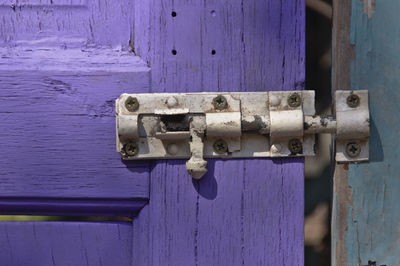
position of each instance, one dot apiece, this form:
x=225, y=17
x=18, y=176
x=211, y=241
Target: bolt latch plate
x=352, y=130
x=195, y=126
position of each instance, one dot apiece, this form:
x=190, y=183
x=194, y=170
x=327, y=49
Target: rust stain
x=369, y=7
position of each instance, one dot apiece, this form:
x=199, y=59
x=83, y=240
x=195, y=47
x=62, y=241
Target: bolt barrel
x=312, y=124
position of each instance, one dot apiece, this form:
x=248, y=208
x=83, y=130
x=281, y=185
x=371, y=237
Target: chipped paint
x=372, y=233
x=369, y=7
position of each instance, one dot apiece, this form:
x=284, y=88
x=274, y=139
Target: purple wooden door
x=62, y=65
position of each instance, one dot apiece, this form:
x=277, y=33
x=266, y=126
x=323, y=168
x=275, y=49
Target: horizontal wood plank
x=58, y=123
x=69, y=23
x=65, y=243
x=80, y=207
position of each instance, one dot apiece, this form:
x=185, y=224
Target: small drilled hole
x=213, y=13
x=213, y=52
x=173, y=14
x=174, y=52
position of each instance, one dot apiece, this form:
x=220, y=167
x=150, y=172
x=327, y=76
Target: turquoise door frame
x=366, y=55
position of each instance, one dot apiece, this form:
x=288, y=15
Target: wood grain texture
x=342, y=50
x=66, y=23
x=72, y=206
x=368, y=204
x=243, y=212
x=58, y=123
x=65, y=243
x=342, y=56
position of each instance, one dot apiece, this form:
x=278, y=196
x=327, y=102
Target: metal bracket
x=195, y=126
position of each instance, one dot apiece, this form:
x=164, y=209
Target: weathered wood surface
x=65, y=243
x=94, y=22
x=243, y=212
x=71, y=206
x=58, y=123
x=59, y=78
x=365, y=226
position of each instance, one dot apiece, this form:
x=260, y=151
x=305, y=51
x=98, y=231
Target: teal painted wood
x=369, y=203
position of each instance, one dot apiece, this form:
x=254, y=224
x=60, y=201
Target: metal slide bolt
x=295, y=146
x=294, y=100
x=132, y=104
x=220, y=102
x=131, y=149
x=353, y=149
x=220, y=147
x=353, y=100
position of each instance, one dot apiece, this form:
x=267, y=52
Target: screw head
x=172, y=102
x=220, y=147
x=131, y=104
x=353, y=100
x=294, y=100
x=172, y=148
x=276, y=147
x=295, y=146
x=274, y=100
x=131, y=149
x=220, y=102
x=353, y=149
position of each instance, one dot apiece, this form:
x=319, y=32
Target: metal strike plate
x=195, y=126
x=352, y=132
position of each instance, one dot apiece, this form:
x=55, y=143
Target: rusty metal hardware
x=195, y=126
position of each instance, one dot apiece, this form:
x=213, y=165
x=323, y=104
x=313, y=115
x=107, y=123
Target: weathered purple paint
x=82, y=207
x=65, y=243
x=244, y=212
x=63, y=63
x=60, y=22
x=58, y=142
x=58, y=124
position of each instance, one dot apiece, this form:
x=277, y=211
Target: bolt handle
x=196, y=165
x=196, y=168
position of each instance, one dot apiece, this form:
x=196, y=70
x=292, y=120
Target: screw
x=275, y=148
x=353, y=100
x=220, y=147
x=172, y=102
x=295, y=146
x=172, y=148
x=353, y=149
x=274, y=100
x=220, y=102
x=294, y=100
x=132, y=104
x=131, y=149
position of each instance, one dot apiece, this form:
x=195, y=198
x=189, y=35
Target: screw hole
x=173, y=14
x=213, y=52
x=174, y=52
x=213, y=13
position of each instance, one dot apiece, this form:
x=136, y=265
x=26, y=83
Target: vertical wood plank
x=243, y=212
x=342, y=56
x=365, y=219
